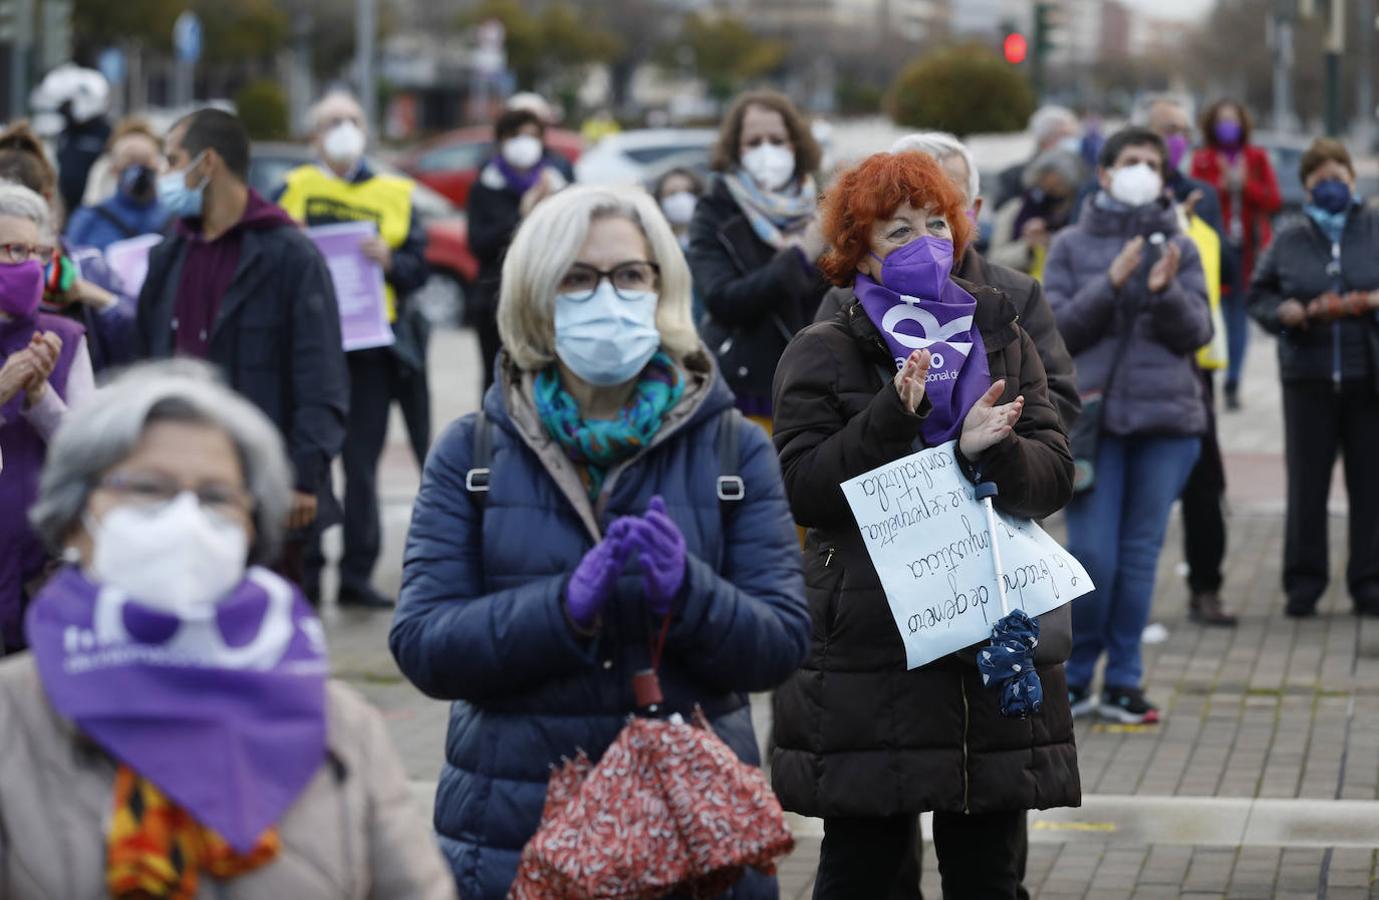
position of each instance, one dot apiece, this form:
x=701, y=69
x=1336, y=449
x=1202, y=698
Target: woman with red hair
x=914, y=359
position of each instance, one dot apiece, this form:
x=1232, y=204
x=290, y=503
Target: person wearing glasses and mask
x=173, y=728
x=44, y=370
x=343, y=187
x=239, y=285
x=520, y=175
x=755, y=242
x=136, y=158
x=584, y=527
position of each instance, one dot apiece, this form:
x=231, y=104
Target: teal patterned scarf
x=597, y=445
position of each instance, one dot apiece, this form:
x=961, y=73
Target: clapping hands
x=661, y=550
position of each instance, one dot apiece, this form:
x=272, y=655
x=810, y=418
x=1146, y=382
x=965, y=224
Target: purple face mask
x=21, y=287
x=1178, y=145
x=1228, y=133
x=920, y=268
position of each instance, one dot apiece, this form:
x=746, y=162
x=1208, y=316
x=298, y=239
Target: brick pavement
x=1271, y=709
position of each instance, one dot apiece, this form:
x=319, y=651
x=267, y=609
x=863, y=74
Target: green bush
x=965, y=90
x=859, y=98
x=262, y=106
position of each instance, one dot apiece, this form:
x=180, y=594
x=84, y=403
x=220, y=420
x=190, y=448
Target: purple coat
x=21, y=553
x=1157, y=389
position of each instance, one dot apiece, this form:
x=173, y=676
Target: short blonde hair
x=548, y=243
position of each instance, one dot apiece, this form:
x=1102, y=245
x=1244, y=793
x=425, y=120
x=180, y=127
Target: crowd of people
x=678, y=378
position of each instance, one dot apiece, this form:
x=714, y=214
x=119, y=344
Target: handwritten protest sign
x=928, y=538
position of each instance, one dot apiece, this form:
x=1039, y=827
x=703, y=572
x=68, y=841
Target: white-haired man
x=1024, y=292
x=1052, y=126
x=343, y=187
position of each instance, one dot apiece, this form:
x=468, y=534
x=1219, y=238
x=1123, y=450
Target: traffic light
x=1045, y=24
x=1014, y=48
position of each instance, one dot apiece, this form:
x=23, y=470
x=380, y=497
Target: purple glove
x=662, y=551
x=593, y=579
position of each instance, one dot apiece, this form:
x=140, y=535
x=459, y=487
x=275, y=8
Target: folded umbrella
x=1008, y=662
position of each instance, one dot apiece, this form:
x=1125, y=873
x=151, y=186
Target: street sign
x=186, y=37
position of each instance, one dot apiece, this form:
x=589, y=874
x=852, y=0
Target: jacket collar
x=512, y=401
x=995, y=318
x=1099, y=218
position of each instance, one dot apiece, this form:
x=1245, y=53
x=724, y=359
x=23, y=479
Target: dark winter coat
x=493, y=212
x=1298, y=265
x=757, y=297
x=1031, y=311
x=1156, y=388
x=856, y=733
x=482, y=621
x=275, y=339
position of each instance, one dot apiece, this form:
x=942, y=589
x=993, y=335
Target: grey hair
x=941, y=146
x=18, y=202
x=1059, y=162
x=547, y=245
x=1048, y=119
x=101, y=432
x=314, y=116
x=1146, y=106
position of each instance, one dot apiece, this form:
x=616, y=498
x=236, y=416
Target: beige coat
x=355, y=834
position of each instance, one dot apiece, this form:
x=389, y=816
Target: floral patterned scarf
x=597, y=445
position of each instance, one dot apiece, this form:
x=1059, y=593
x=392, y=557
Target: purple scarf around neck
x=519, y=182
x=958, y=373
x=225, y=715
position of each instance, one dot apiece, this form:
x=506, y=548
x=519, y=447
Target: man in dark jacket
x=239, y=285
x=1031, y=309
x=344, y=188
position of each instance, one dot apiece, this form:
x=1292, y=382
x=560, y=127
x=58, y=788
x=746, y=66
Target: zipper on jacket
x=966, y=721
x=1336, y=326
x=828, y=560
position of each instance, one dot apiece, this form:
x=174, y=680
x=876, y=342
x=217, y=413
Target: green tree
x=548, y=46
x=965, y=90
x=262, y=106
x=725, y=53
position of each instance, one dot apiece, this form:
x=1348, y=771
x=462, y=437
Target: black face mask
x=139, y=183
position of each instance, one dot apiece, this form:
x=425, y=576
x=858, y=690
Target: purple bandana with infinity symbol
x=225, y=714
x=958, y=373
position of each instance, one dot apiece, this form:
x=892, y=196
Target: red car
x=448, y=164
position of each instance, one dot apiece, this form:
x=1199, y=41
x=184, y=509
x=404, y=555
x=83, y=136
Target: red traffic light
x=1015, y=47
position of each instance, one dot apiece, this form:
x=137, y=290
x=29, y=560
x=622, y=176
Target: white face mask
x=770, y=165
x=1071, y=144
x=1136, y=185
x=175, y=557
x=679, y=207
x=344, y=143
x=523, y=151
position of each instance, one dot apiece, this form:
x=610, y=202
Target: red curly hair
x=873, y=190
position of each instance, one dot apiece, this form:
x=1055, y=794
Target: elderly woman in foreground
x=173, y=733
x=607, y=512
x=861, y=742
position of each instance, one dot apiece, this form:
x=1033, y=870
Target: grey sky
x=1178, y=9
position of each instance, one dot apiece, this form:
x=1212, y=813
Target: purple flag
x=958, y=373
x=225, y=713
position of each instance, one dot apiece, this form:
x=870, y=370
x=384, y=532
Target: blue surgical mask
x=178, y=199
x=607, y=339
x=1331, y=195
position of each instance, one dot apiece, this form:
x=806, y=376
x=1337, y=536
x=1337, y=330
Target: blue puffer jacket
x=481, y=619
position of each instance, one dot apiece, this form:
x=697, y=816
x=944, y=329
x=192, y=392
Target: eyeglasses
x=14, y=254
x=152, y=491
x=627, y=278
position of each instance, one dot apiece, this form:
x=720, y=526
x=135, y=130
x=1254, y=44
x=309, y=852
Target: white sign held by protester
x=927, y=535
x=129, y=260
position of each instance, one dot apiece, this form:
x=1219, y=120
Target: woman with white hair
x=1026, y=224
x=44, y=368
x=173, y=730
x=607, y=512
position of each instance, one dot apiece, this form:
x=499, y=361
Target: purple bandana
x=958, y=373
x=519, y=182
x=225, y=715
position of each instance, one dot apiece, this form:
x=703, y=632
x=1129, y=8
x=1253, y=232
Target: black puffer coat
x=857, y=734
x=1298, y=265
x=757, y=297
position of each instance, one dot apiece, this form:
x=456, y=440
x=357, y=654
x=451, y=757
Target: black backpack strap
x=477, y=478
x=731, y=488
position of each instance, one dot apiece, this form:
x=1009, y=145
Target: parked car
x=448, y=164
x=453, y=266
x=632, y=157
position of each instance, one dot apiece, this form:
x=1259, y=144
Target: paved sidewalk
x=1262, y=781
